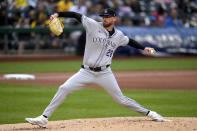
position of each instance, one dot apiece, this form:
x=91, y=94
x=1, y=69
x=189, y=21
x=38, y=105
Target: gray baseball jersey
x=100, y=46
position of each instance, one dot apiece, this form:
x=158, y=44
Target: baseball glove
x=56, y=26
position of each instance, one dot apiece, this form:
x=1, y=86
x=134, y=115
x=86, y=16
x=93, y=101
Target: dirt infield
x=127, y=80
x=109, y=124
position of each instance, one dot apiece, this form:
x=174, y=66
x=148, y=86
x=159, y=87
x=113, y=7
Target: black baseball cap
x=108, y=12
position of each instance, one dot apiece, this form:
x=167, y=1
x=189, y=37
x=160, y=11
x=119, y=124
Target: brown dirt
x=56, y=57
x=109, y=124
x=127, y=80
x=181, y=80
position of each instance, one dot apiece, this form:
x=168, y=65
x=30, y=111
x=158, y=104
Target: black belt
x=96, y=69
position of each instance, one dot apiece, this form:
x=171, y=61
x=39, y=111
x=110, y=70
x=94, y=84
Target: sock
x=45, y=116
x=147, y=113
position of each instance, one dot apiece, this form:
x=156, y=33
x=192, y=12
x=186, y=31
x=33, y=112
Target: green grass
x=20, y=101
x=117, y=65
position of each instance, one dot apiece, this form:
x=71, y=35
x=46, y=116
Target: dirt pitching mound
x=110, y=124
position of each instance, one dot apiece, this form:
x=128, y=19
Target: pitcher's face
x=108, y=21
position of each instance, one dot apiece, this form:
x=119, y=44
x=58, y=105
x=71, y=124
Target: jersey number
x=109, y=53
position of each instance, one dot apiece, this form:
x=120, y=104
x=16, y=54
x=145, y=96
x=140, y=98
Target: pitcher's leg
x=109, y=83
x=76, y=82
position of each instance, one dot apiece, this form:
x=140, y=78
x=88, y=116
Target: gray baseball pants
x=82, y=78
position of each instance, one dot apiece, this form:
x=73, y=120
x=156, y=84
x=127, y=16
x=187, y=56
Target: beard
x=107, y=24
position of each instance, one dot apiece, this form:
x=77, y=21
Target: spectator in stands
x=50, y=5
x=153, y=21
x=135, y=6
x=104, y=3
x=79, y=8
x=173, y=5
x=14, y=20
x=32, y=3
x=193, y=4
x=89, y=9
x=160, y=15
x=116, y=6
x=163, y=1
x=142, y=22
x=184, y=7
x=95, y=11
x=2, y=16
x=127, y=22
x=41, y=14
x=9, y=14
x=32, y=18
x=193, y=21
x=173, y=20
x=64, y=5
x=21, y=4
x=126, y=10
x=146, y=6
x=22, y=23
x=185, y=21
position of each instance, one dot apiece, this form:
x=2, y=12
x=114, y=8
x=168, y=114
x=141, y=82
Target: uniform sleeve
x=124, y=40
x=89, y=24
x=135, y=44
x=70, y=14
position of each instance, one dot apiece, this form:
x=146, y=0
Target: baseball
x=152, y=52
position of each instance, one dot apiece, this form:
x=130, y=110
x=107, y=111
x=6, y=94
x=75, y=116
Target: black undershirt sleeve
x=135, y=44
x=70, y=14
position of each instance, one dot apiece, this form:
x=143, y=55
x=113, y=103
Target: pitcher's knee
x=66, y=88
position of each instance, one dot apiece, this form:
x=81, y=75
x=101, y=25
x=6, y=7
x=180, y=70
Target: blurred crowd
x=163, y=13
x=36, y=13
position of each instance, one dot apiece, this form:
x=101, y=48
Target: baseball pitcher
x=102, y=39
